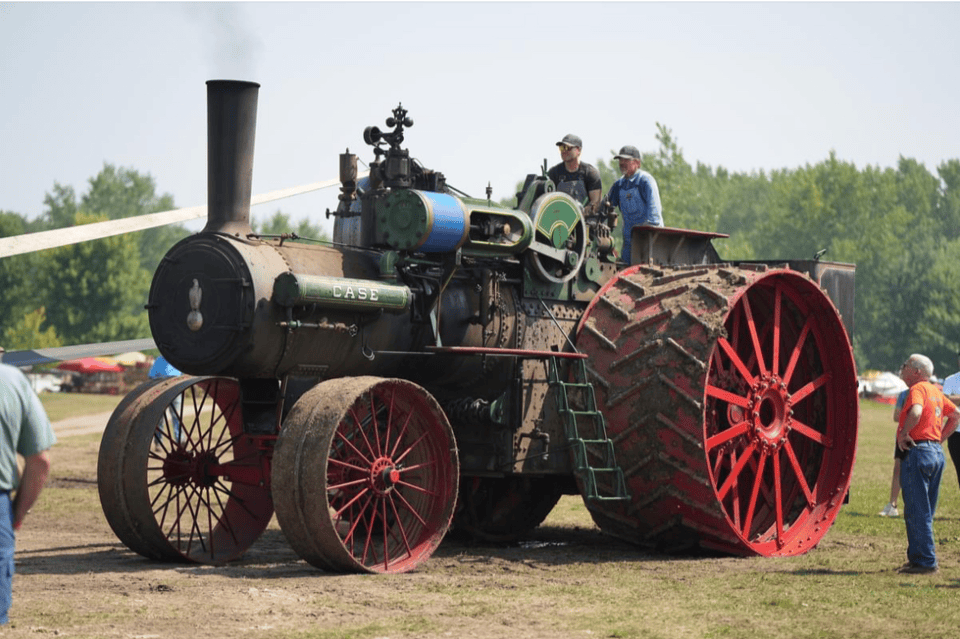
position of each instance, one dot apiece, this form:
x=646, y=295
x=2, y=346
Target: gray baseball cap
x=571, y=140
x=627, y=153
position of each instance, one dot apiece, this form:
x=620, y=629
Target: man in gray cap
x=636, y=194
x=579, y=180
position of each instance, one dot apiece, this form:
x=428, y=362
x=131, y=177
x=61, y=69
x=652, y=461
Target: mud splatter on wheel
x=731, y=397
x=365, y=475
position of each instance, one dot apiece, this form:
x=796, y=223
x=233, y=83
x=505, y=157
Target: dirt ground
x=75, y=579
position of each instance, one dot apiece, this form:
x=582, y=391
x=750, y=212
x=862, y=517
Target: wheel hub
x=383, y=475
x=770, y=412
x=182, y=467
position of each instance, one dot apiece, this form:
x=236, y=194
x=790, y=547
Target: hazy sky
x=491, y=87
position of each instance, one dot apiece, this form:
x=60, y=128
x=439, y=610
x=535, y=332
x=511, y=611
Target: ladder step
x=587, y=449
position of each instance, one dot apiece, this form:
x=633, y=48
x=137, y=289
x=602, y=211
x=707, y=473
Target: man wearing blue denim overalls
x=921, y=434
x=637, y=195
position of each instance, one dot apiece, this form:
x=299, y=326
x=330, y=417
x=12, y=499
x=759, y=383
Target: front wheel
x=365, y=475
x=178, y=480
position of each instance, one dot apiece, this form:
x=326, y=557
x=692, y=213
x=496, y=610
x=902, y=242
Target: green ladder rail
x=587, y=449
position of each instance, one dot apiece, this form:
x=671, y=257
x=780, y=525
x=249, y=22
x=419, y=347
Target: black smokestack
x=231, y=129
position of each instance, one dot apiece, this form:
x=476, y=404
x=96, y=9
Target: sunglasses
x=564, y=147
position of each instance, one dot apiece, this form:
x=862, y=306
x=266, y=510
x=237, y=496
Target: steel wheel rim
x=390, y=486
x=779, y=428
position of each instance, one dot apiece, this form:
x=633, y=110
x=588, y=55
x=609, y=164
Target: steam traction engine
x=448, y=360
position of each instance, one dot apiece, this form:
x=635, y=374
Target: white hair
x=922, y=363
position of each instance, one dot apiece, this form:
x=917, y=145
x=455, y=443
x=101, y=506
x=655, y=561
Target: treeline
x=93, y=291
x=900, y=226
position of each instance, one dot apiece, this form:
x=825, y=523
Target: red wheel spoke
x=734, y=431
x=357, y=520
x=416, y=442
x=736, y=502
x=735, y=471
x=400, y=436
x=346, y=484
x=777, y=304
x=410, y=469
x=401, y=530
x=736, y=361
x=373, y=424
x=765, y=490
x=798, y=471
x=386, y=436
x=815, y=435
x=727, y=396
x=363, y=434
x=752, y=507
x=778, y=496
x=797, y=349
x=356, y=450
x=344, y=464
x=410, y=507
x=386, y=535
x=808, y=388
x=419, y=489
x=752, y=326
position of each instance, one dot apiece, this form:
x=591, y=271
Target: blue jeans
x=6, y=555
x=920, y=473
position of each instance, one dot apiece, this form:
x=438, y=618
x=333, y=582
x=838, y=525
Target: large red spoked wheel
x=200, y=494
x=731, y=398
x=365, y=475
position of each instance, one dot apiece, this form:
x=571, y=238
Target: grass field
x=572, y=582
x=63, y=405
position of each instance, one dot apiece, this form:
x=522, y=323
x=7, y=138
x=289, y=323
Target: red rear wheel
x=731, y=397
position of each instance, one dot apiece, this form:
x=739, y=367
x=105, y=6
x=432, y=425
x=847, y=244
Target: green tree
x=18, y=275
x=120, y=193
x=27, y=333
x=99, y=289
x=61, y=208
x=279, y=223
